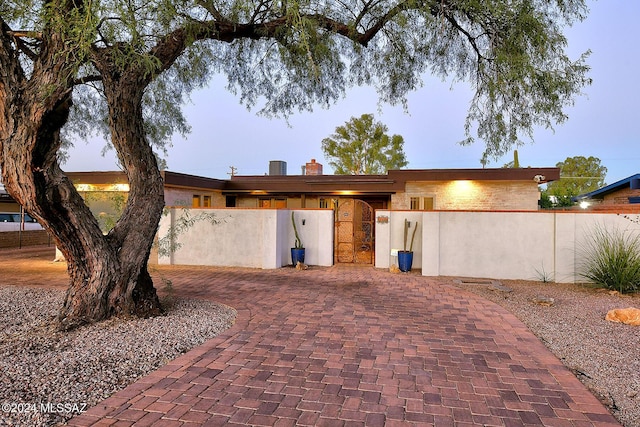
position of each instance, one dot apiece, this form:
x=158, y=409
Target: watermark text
x=43, y=407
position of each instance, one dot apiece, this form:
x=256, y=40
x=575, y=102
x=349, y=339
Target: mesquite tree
x=123, y=68
x=362, y=147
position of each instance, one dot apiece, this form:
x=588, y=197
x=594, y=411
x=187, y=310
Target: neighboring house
x=12, y=218
x=621, y=195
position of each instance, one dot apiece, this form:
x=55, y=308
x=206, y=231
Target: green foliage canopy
x=290, y=55
x=362, y=147
x=578, y=175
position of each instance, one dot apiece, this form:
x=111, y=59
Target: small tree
x=578, y=175
x=362, y=147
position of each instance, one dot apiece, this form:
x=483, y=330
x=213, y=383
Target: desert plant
x=543, y=275
x=611, y=258
x=407, y=225
x=298, y=242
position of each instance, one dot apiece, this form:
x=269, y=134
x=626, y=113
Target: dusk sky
x=604, y=123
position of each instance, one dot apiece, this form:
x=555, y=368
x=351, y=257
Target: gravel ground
x=603, y=355
x=91, y=363
x=74, y=371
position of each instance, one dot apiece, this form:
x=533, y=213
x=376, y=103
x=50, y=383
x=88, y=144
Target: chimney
x=313, y=168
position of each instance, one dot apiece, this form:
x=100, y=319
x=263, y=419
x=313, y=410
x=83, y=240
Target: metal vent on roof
x=277, y=167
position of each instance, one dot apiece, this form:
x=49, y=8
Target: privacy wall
x=259, y=238
x=499, y=245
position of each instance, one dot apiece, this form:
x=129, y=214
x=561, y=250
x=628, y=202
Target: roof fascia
x=601, y=192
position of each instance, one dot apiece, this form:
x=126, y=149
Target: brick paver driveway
x=353, y=346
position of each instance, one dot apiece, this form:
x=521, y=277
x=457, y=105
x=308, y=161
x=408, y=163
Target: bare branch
x=26, y=33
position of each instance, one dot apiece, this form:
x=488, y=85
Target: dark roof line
x=601, y=192
x=393, y=181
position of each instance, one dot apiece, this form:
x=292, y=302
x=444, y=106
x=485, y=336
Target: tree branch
x=87, y=79
x=26, y=33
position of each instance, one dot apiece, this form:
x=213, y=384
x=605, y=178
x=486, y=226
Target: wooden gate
x=354, y=232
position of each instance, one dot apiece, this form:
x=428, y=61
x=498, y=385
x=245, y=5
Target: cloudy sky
x=604, y=123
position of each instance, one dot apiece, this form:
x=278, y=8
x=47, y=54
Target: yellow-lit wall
x=471, y=195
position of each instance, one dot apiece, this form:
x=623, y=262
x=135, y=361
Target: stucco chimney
x=313, y=168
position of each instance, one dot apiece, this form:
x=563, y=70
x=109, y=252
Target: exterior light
x=84, y=187
x=119, y=187
x=584, y=204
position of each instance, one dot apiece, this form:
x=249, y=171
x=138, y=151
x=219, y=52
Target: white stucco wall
x=501, y=245
x=258, y=238
x=316, y=235
x=390, y=236
x=498, y=245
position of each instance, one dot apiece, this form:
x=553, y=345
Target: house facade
x=500, y=189
x=420, y=189
x=623, y=195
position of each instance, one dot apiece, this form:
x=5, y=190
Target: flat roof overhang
x=394, y=181
x=316, y=184
x=171, y=179
x=539, y=175
x=391, y=183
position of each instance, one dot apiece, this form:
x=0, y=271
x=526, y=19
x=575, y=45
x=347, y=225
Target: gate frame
x=366, y=239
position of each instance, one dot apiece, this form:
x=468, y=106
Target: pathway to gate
x=345, y=346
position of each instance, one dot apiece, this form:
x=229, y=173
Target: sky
x=604, y=122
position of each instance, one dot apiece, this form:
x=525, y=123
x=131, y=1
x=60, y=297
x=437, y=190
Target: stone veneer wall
x=471, y=195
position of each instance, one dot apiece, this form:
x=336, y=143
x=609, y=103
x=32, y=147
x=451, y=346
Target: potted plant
x=405, y=257
x=297, y=252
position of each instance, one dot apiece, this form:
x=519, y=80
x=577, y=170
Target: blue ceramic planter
x=297, y=254
x=405, y=259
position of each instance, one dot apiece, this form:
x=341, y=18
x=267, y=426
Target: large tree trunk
x=108, y=274
x=117, y=281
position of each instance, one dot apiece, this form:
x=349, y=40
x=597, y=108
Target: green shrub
x=611, y=259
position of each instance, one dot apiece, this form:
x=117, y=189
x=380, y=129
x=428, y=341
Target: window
x=324, y=203
x=206, y=201
x=272, y=203
x=415, y=203
x=230, y=202
x=196, y=201
x=428, y=203
x=264, y=203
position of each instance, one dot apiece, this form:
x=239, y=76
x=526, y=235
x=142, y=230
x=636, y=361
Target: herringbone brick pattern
x=352, y=346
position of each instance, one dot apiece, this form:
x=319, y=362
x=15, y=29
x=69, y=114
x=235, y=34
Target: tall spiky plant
x=298, y=243
x=611, y=258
